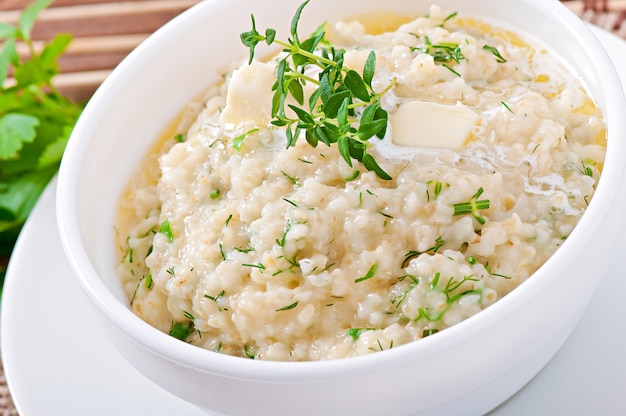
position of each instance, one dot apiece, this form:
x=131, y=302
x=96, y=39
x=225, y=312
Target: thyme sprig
x=343, y=109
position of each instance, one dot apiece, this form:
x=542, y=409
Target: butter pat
x=249, y=95
x=427, y=124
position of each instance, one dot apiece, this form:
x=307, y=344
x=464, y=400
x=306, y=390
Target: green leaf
x=53, y=152
x=279, y=122
x=369, y=113
x=296, y=90
x=290, y=137
x=295, y=20
x=278, y=103
x=30, y=73
x=370, y=164
x=356, y=85
x=344, y=149
x=270, y=35
x=369, y=68
x=280, y=75
x=251, y=38
x=15, y=130
x=381, y=114
x=314, y=98
x=331, y=107
x=311, y=137
x=8, y=55
x=18, y=196
x=53, y=50
x=7, y=31
x=357, y=149
x=304, y=117
x=308, y=45
x=295, y=135
x=342, y=115
x=321, y=135
x=280, y=95
x=369, y=129
x=311, y=43
x=331, y=132
x=326, y=90
x=29, y=15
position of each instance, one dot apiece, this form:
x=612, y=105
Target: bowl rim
x=208, y=361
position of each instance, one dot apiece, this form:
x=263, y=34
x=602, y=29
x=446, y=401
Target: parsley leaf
x=36, y=120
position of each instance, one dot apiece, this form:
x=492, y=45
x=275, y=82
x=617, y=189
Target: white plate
x=57, y=363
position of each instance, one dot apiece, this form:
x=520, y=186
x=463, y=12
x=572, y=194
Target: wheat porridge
x=247, y=234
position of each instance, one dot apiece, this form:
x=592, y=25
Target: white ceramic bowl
x=467, y=369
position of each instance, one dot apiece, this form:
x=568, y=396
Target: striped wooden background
x=104, y=31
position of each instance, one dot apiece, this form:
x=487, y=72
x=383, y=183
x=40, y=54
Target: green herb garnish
x=437, y=188
x=343, y=109
x=441, y=52
x=214, y=194
x=215, y=298
x=166, y=229
x=238, y=141
x=370, y=273
x=452, y=293
x=355, y=333
x=181, y=330
x=36, y=120
x=428, y=332
x=506, y=106
x=286, y=308
x=293, y=179
x=499, y=58
x=414, y=253
x=259, y=266
x=148, y=282
x=247, y=350
x=473, y=206
x=290, y=202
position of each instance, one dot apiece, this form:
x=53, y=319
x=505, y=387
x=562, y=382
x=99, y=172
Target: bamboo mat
x=105, y=31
